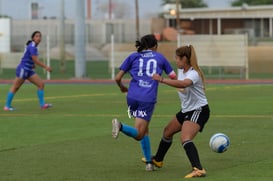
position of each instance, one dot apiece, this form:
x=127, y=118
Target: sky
x=51, y=8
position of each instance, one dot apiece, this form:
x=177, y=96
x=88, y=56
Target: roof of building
x=244, y=11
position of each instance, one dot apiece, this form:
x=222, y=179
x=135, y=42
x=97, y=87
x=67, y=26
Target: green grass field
x=72, y=141
x=101, y=70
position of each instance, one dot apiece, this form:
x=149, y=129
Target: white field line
x=156, y=115
x=65, y=97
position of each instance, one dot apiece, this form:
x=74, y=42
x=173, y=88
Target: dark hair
x=146, y=42
x=32, y=36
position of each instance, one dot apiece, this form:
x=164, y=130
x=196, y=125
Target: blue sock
x=146, y=148
x=9, y=99
x=40, y=94
x=129, y=130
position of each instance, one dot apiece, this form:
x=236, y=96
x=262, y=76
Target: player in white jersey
x=194, y=112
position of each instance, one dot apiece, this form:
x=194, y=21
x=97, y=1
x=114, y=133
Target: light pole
x=80, y=44
x=1, y=13
x=62, y=37
x=89, y=9
x=177, y=16
x=110, y=9
x=137, y=19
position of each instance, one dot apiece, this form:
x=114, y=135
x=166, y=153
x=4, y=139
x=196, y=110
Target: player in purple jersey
x=142, y=92
x=24, y=71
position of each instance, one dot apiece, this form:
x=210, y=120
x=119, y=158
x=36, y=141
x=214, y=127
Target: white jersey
x=192, y=97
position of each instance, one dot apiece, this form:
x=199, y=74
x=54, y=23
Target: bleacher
x=9, y=60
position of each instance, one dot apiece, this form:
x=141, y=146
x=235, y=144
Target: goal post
x=226, y=51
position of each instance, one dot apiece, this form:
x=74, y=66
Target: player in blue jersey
x=142, y=92
x=24, y=71
x=193, y=114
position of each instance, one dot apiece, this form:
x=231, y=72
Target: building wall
x=260, y=59
x=97, y=32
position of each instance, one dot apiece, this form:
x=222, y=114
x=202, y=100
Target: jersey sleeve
x=127, y=63
x=193, y=76
x=33, y=51
x=168, y=69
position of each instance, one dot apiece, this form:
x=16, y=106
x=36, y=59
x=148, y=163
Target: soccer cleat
x=196, y=173
x=116, y=128
x=149, y=167
x=46, y=106
x=9, y=108
x=156, y=163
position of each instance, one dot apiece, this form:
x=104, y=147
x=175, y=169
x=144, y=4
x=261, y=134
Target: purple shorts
x=23, y=73
x=139, y=109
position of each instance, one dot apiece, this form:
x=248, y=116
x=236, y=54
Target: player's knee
x=185, y=138
x=140, y=136
x=41, y=85
x=167, y=133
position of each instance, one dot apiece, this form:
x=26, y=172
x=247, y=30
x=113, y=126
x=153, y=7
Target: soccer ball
x=219, y=142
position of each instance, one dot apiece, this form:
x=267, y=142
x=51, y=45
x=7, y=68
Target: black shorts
x=199, y=116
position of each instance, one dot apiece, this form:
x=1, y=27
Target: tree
x=251, y=2
x=187, y=3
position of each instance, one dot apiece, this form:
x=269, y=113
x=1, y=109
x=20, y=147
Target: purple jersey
x=142, y=66
x=30, y=50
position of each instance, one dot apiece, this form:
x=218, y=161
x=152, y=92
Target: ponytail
x=189, y=52
x=28, y=42
x=139, y=46
x=194, y=64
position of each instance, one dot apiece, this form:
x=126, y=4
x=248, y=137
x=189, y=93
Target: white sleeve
x=194, y=76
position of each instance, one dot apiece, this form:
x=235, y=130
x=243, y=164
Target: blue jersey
x=142, y=66
x=31, y=50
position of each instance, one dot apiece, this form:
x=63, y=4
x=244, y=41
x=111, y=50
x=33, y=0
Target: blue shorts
x=139, y=109
x=23, y=73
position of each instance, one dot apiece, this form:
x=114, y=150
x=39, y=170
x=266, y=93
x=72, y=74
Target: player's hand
x=157, y=77
x=123, y=89
x=49, y=69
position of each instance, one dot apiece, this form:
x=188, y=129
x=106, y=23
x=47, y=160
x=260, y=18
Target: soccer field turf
x=72, y=141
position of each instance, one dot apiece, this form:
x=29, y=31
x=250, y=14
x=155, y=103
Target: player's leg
x=144, y=115
x=190, y=128
x=36, y=80
x=17, y=83
x=189, y=131
x=137, y=132
x=166, y=141
x=140, y=133
x=142, y=126
x=130, y=131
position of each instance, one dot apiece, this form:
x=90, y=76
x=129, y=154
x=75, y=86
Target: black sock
x=163, y=147
x=192, y=154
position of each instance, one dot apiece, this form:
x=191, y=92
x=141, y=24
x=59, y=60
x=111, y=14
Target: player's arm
x=173, y=83
x=172, y=75
x=118, y=80
x=41, y=64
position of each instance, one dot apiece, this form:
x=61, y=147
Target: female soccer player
x=194, y=112
x=25, y=71
x=142, y=92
